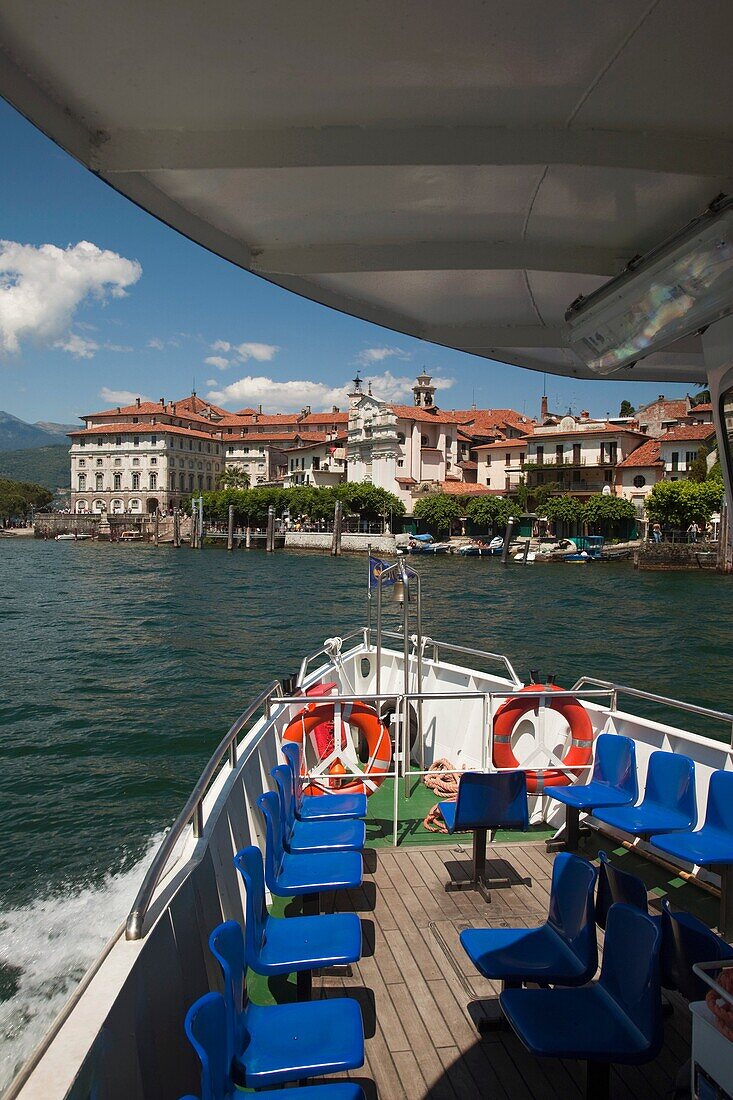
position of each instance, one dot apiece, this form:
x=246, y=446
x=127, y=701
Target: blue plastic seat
x=613, y=782
x=616, y=1019
x=685, y=942
x=497, y=800
x=326, y=807
x=273, y=1044
x=562, y=950
x=616, y=886
x=669, y=799
x=341, y=835
x=287, y=945
x=206, y=1028
x=712, y=845
x=290, y=875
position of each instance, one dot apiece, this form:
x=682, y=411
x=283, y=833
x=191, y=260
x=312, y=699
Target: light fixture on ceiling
x=673, y=291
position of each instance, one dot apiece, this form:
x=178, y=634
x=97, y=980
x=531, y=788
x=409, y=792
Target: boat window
x=366, y=667
x=726, y=419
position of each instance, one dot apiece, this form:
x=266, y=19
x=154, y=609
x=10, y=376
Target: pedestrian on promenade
x=692, y=532
x=657, y=533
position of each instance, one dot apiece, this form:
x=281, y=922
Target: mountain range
x=16, y=434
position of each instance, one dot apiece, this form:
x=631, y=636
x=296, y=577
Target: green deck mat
x=412, y=810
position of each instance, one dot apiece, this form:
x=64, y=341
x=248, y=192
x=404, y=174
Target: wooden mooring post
x=176, y=527
x=338, y=512
x=248, y=537
x=270, y=541
x=230, y=528
x=156, y=528
x=507, y=540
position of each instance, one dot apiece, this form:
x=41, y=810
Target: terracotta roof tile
x=688, y=431
x=422, y=416
x=145, y=429
x=646, y=455
x=464, y=488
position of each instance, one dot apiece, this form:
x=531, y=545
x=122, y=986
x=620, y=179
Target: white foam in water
x=48, y=945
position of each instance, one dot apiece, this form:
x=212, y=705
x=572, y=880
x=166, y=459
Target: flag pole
x=369, y=595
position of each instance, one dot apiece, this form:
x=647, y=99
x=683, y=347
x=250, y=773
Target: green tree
x=565, y=510
x=677, y=503
x=366, y=500
x=438, y=511
x=627, y=409
x=699, y=467
x=608, y=514
x=492, y=513
x=19, y=498
x=234, y=477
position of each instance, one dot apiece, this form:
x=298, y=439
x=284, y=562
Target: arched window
x=99, y=482
x=99, y=506
x=190, y=483
x=201, y=481
x=117, y=507
x=136, y=481
x=208, y=482
x=82, y=482
x=172, y=482
x=182, y=482
x=400, y=437
x=153, y=481
x=135, y=506
x=82, y=506
x=117, y=481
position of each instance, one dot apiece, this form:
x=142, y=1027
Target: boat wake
x=45, y=949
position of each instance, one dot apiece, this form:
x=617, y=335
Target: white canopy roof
x=459, y=171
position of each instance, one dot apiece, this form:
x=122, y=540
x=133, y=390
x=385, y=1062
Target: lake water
x=123, y=666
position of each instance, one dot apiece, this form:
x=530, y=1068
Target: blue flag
x=376, y=567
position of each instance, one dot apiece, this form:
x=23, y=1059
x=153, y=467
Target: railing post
x=230, y=528
x=198, y=820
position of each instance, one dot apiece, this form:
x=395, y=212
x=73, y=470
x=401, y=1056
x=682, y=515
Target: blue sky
x=143, y=311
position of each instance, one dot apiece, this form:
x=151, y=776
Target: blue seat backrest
x=615, y=763
x=206, y=1028
x=630, y=969
x=685, y=942
x=291, y=752
x=571, y=912
x=670, y=782
x=226, y=943
x=616, y=886
x=284, y=781
x=719, y=813
x=269, y=803
x=497, y=800
x=249, y=864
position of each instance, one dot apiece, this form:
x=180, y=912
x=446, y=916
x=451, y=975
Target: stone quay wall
x=350, y=543
x=677, y=555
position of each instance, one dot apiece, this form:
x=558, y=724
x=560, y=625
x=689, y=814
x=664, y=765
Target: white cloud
x=78, y=345
x=294, y=395
x=262, y=353
x=120, y=397
x=217, y=361
x=41, y=289
x=378, y=355
x=212, y=382
x=117, y=347
x=156, y=343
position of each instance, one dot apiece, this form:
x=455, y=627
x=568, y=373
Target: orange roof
x=646, y=455
x=422, y=416
x=154, y=408
x=539, y=437
x=325, y=418
x=144, y=429
x=490, y=421
x=464, y=488
x=316, y=439
x=703, y=407
x=196, y=405
x=688, y=431
x=405, y=481
x=502, y=444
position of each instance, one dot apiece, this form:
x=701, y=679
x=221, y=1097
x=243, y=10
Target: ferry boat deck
x=421, y=998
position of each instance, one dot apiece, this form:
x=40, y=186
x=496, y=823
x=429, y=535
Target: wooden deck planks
x=421, y=1040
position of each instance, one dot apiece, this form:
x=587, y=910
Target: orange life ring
x=579, y=753
x=376, y=734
